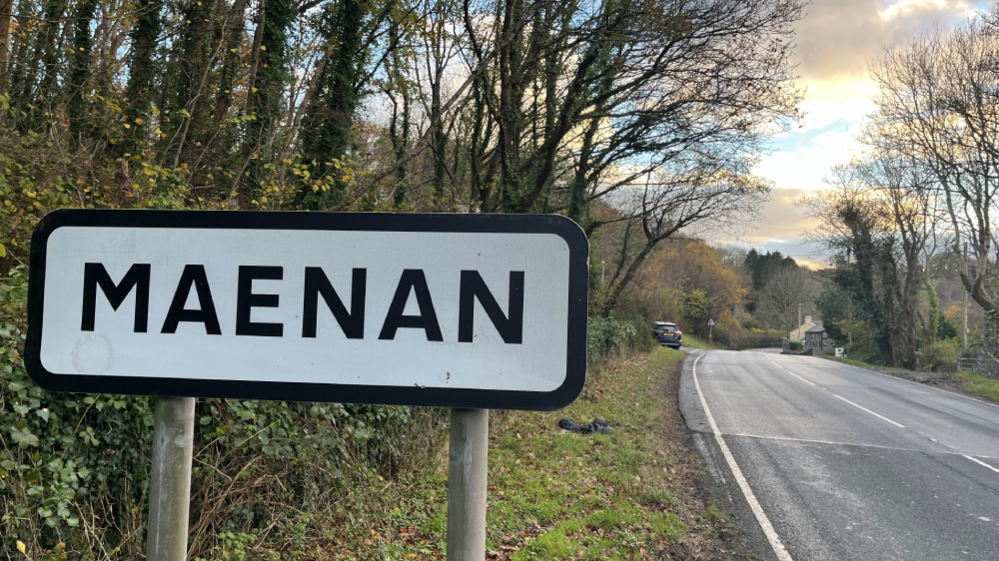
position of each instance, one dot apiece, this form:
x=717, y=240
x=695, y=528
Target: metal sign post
x=468, y=463
x=711, y=328
x=170, y=480
x=470, y=312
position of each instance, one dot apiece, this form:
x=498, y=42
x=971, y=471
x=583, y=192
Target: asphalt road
x=818, y=460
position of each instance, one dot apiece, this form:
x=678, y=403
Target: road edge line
x=979, y=462
x=754, y=505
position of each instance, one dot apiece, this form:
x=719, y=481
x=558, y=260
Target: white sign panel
x=451, y=310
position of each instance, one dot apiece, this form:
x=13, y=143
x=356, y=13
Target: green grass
x=695, y=343
x=861, y=364
x=980, y=385
x=555, y=495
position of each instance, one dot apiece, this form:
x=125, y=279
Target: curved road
x=844, y=463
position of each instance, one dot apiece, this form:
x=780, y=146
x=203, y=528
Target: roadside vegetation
x=559, y=495
x=695, y=342
x=980, y=385
x=641, y=121
x=909, y=220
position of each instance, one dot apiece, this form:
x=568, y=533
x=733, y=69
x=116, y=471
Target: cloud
x=805, y=165
x=838, y=38
x=903, y=7
x=835, y=42
x=783, y=227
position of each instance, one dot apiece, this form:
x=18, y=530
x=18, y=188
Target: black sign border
x=297, y=391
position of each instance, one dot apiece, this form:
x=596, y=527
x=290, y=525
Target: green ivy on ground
x=74, y=468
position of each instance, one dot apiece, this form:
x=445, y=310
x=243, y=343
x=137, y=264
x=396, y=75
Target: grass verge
x=692, y=342
x=980, y=385
x=629, y=495
x=853, y=362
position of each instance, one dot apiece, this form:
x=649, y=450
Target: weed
x=714, y=514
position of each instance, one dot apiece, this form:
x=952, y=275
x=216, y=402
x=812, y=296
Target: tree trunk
x=331, y=111
x=79, y=74
x=6, y=9
x=231, y=62
x=145, y=35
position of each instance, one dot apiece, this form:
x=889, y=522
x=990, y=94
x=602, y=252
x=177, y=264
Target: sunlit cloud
x=905, y=7
x=806, y=166
x=834, y=44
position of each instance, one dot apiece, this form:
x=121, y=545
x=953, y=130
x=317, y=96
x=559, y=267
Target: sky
x=835, y=41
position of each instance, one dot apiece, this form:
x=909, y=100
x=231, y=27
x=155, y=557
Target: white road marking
x=791, y=373
x=754, y=505
x=834, y=443
x=925, y=386
x=882, y=417
x=981, y=463
x=862, y=408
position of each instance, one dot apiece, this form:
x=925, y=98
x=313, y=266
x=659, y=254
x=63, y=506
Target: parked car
x=668, y=334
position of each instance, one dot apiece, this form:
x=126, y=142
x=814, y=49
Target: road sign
x=711, y=323
x=476, y=311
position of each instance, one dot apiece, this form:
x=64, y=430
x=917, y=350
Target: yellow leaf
x=21, y=547
x=158, y=131
x=128, y=126
x=263, y=47
x=3, y=252
x=138, y=121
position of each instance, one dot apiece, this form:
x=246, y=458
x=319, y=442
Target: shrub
x=737, y=338
x=74, y=468
x=940, y=356
x=603, y=336
x=797, y=346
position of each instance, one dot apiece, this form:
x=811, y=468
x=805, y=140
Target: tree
x=762, y=266
x=938, y=103
x=666, y=207
x=688, y=282
x=779, y=300
x=878, y=216
x=142, y=74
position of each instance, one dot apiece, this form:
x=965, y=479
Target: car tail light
x=678, y=332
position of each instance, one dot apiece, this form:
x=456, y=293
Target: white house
x=798, y=335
